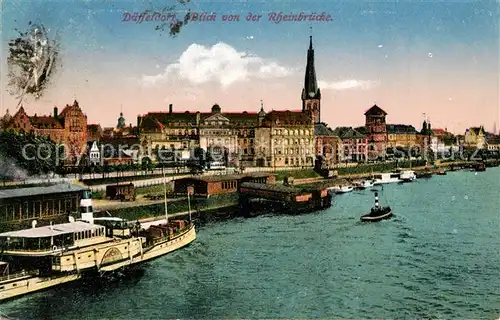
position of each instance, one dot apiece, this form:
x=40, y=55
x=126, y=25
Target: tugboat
x=377, y=213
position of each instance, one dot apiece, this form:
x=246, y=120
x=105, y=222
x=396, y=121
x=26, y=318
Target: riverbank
x=144, y=210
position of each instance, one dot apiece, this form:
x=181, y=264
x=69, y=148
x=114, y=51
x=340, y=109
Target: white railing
x=19, y=275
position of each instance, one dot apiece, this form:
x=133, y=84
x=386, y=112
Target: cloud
x=190, y=94
x=348, y=84
x=221, y=63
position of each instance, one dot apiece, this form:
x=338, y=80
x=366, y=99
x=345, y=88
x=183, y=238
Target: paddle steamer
x=42, y=257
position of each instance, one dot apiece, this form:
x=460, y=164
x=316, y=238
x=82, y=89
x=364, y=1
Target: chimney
x=170, y=108
x=55, y=112
x=198, y=117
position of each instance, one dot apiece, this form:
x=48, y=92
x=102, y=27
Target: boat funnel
x=86, y=210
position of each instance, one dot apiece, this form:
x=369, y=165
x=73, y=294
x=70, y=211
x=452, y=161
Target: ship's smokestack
x=86, y=211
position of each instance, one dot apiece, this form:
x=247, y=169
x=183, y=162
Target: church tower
x=311, y=96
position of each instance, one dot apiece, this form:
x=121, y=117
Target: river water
x=438, y=258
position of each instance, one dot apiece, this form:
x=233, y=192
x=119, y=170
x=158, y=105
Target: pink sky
x=451, y=98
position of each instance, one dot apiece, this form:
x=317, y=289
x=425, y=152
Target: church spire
x=310, y=82
x=311, y=95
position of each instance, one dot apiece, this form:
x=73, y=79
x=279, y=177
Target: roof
x=68, y=108
x=35, y=191
x=400, y=128
x=159, y=119
x=352, y=134
x=439, y=131
x=94, y=128
x=288, y=117
x=54, y=230
x=339, y=131
x=362, y=130
x=321, y=129
x=375, y=111
x=110, y=219
x=493, y=139
x=348, y=133
x=476, y=130
x=45, y=122
x=272, y=187
x=227, y=177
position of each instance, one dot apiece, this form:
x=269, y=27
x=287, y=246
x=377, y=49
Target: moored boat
x=384, y=178
x=363, y=184
x=343, y=189
x=42, y=257
x=377, y=213
x=407, y=176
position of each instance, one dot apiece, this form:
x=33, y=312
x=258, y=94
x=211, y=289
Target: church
x=265, y=139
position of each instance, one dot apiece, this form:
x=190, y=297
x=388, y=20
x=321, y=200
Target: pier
x=283, y=198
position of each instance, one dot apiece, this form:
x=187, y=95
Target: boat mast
x=189, y=203
x=165, y=194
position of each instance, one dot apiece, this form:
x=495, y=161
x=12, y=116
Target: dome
x=121, y=121
x=216, y=108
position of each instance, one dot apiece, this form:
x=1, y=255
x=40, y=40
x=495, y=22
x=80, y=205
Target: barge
x=258, y=197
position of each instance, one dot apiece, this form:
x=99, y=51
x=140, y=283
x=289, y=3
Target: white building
x=94, y=154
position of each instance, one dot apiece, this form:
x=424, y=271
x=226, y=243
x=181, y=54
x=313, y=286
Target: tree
x=146, y=164
x=22, y=155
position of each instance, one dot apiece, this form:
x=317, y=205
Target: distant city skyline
x=440, y=59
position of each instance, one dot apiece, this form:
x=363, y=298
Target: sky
x=434, y=59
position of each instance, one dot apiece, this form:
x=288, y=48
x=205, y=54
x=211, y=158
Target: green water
x=439, y=257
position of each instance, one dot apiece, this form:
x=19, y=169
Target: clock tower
x=311, y=95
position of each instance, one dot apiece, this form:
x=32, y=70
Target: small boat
x=407, y=176
x=423, y=174
x=377, y=213
x=364, y=184
x=343, y=189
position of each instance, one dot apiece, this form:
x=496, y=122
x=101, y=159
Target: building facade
x=328, y=146
x=285, y=138
x=475, y=137
x=401, y=135
x=493, y=143
x=354, y=147
x=377, y=132
x=69, y=128
x=273, y=139
x=43, y=204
